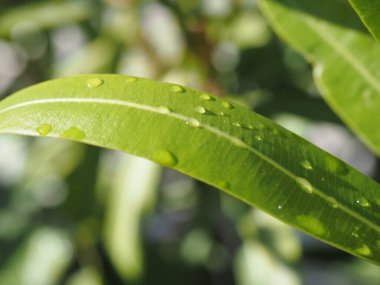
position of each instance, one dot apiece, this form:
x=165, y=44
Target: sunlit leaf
x=213, y=140
x=369, y=12
x=332, y=38
x=132, y=194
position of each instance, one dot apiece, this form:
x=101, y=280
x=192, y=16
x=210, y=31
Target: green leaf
x=331, y=37
x=369, y=12
x=44, y=15
x=213, y=140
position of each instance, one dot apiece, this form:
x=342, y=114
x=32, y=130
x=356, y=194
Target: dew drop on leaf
x=193, y=122
x=94, y=82
x=311, y=224
x=355, y=232
x=224, y=185
x=306, y=164
x=236, y=124
x=332, y=202
x=304, y=185
x=131, y=79
x=258, y=138
x=335, y=166
x=164, y=109
x=73, y=133
x=205, y=97
x=165, y=157
x=363, y=250
x=177, y=89
x=238, y=142
x=44, y=129
x=227, y=105
x=200, y=110
x=368, y=98
x=362, y=201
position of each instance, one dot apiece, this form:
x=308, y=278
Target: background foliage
x=73, y=214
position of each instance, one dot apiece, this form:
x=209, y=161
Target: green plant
x=226, y=145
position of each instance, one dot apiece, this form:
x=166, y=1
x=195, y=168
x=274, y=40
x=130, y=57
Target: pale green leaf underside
x=346, y=58
x=369, y=12
x=215, y=141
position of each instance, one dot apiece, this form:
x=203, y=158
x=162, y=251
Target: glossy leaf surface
x=213, y=140
x=331, y=37
x=369, y=12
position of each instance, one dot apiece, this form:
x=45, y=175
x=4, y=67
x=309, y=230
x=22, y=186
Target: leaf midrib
x=184, y=118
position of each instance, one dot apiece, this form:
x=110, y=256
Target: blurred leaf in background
x=72, y=214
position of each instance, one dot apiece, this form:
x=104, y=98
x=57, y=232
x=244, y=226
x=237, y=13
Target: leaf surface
x=43, y=15
x=346, y=58
x=213, y=140
x=369, y=12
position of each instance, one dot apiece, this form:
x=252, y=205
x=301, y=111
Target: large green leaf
x=369, y=12
x=213, y=140
x=346, y=58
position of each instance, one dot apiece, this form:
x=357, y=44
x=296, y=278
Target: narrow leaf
x=346, y=58
x=369, y=12
x=213, y=140
x=44, y=15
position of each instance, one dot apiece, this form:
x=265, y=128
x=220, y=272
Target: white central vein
x=216, y=131
x=344, y=53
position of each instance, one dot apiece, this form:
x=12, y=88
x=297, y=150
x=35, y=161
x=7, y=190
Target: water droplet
x=44, y=129
x=239, y=142
x=205, y=97
x=193, y=123
x=165, y=157
x=258, y=138
x=177, y=89
x=164, y=109
x=280, y=207
x=304, y=185
x=332, y=202
x=200, y=110
x=236, y=124
x=94, y=82
x=368, y=98
x=306, y=164
x=363, y=250
x=73, y=133
x=311, y=224
x=355, y=232
x=221, y=114
x=131, y=79
x=227, y=105
x=362, y=201
x=250, y=127
x=224, y=185
x=333, y=165
x=260, y=126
